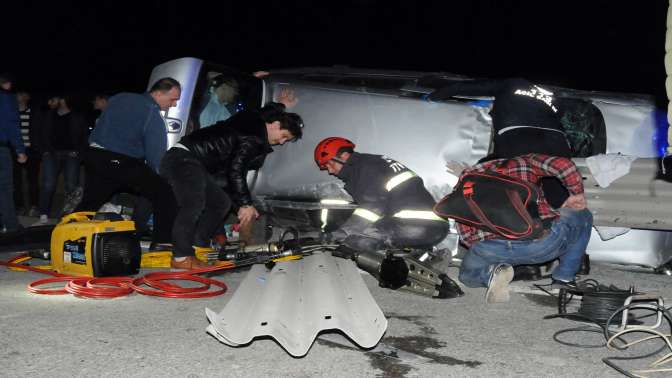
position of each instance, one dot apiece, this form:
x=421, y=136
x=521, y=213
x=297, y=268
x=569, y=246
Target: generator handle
x=78, y=217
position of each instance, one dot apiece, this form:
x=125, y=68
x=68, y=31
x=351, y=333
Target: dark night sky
x=591, y=44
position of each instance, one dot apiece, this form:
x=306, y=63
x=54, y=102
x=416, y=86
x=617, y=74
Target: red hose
x=113, y=287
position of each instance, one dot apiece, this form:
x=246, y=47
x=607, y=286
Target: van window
x=221, y=93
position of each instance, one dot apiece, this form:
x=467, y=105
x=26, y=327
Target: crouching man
x=394, y=208
x=490, y=259
x=227, y=150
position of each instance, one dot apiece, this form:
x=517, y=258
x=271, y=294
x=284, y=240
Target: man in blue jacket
x=10, y=137
x=125, y=151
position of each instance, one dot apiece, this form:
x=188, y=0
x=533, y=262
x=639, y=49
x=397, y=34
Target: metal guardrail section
x=635, y=200
x=295, y=301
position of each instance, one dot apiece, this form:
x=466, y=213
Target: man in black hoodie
x=64, y=136
x=226, y=150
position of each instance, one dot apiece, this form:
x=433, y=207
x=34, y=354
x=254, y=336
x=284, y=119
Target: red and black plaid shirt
x=530, y=168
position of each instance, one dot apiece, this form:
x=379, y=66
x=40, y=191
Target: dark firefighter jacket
x=383, y=187
x=229, y=149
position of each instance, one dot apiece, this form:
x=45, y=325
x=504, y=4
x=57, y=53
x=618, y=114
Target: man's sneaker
x=498, y=286
x=188, y=263
x=567, y=285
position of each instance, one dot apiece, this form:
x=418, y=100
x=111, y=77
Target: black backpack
x=493, y=202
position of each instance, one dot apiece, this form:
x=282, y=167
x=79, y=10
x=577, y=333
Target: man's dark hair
x=291, y=122
x=165, y=84
x=102, y=95
x=6, y=77
x=68, y=99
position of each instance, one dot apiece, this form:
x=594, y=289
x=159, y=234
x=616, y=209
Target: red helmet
x=328, y=148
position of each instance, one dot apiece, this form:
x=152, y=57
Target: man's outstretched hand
x=247, y=214
x=576, y=202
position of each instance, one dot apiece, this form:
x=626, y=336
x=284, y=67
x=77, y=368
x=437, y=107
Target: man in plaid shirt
x=490, y=259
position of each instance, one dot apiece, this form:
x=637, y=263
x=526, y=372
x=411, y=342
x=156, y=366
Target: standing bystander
x=63, y=138
x=26, y=191
x=10, y=137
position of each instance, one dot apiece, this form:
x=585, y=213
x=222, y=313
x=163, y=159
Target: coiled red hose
x=114, y=287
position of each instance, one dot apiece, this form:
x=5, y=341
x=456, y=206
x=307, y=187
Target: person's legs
x=142, y=211
x=217, y=206
x=102, y=178
x=188, y=179
x=482, y=257
x=416, y=233
x=19, y=200
x=70, y=163
x=153, y=187
x=7, y=210
x=47, y=182
x=577, y=225
x=567, y=239
x=33, y=173
x=370, y=239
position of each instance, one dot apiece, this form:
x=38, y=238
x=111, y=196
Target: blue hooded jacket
x=10, y=132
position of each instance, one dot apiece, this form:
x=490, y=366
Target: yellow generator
x=95, y=245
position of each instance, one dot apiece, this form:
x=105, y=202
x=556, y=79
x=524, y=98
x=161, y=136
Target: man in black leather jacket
x=226, y=150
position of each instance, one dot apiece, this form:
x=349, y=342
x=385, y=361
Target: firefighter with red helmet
x=394, y=207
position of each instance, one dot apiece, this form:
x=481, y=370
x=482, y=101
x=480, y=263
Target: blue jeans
x=52, y=165
x=566, y=241
x=7, y=210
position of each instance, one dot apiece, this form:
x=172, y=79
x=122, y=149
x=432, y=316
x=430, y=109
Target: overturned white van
x=383, y=113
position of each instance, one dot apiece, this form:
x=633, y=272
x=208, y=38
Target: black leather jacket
x=229, y=149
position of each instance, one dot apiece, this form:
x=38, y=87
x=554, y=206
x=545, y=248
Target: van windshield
x=220, y=99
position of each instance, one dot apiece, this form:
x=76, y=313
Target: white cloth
x=607, y=168
x=607, y=233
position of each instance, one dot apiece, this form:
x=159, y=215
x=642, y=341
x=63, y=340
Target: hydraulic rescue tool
x=396, y=269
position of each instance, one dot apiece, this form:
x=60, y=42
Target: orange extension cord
x=114, y=287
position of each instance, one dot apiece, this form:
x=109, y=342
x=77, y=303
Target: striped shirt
x=24, y=116
x=530, y=168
